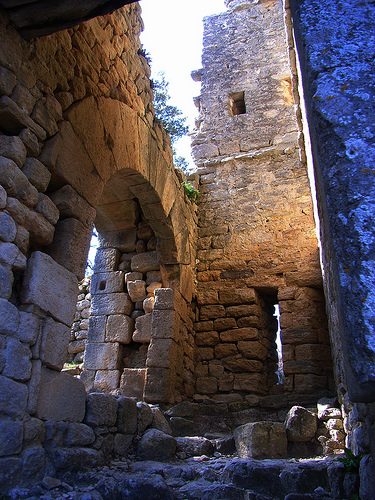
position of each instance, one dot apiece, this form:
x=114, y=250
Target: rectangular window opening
x=237, y=104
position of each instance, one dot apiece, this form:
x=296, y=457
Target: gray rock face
x=79, y=435
x=11, y=434
x=61, y=397
x=101, y=410
x=127, y=415
x=300, y=424
x=195, y=446
x=156, y=445
x=13, y=397
x=261, y=440
x=50, y=287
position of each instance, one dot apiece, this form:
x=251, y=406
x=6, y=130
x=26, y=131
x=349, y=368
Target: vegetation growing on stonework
x=191, y=193
x=171, y=117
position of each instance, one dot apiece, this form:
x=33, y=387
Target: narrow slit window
x=279, y=348
x=237, y=104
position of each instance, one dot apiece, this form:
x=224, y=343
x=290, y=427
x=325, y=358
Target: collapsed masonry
x=182, y=296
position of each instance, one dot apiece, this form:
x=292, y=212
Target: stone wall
x=257, y=245
x=78, y=142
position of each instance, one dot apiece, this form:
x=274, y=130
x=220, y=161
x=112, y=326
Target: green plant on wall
x=351, y=461
x=191, y=193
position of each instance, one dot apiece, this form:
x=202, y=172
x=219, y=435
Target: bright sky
x=173, y=38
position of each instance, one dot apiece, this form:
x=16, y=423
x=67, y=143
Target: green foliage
x=170, y=116
x=191, y=193
x=180, y=162
x=351, y=461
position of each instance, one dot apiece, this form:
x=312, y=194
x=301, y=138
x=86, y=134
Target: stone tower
x=257, y=240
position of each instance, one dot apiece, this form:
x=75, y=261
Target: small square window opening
x=237, y=104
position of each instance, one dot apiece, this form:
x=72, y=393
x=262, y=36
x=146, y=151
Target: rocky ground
x=217, y=478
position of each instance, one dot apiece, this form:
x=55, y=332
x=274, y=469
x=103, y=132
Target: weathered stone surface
x=12, y=147
x=16, y=183
x=47, y=208
x=33, y=386
x=96, y=331
x=54, y=344
x=132, y=382
x=17, y=357
x=32, y=144
x=101, y=410
x=119, y=329
x=76, y=458
x=155, y=445
x=148, y=304
x=6, y=282
x=300, y=424
x=110, y=282
x=261, y=440
x=240, y=334
x=37, y=173
x=107, y=380
x=9, y=318
x=137, y=290
x=102, y=356
x=11, y=434
x=71, y=205
x=143, y=328
x=165, y=324
x=8, y=227
x=8, y=81
x=33, y=464
x=10, y=472
x=133, y=276
x=13, y=398
x=79, y=435
x=70, y=245
x=33, y=430
x=111, y=303
x=61, y=397
x=145, y=262
x=50, y=287
x=144, y=417
x=127, y=415
x=195, y=446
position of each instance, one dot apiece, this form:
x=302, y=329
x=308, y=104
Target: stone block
x=61, y=397
x=47, y=208
x=239, y=334
x=13, y=398
x=101, y=410
x=79, y=435
x=143, y=328
x=225, y=350
x=253, y=350
x=13, y=119
x=76, y=458
x=211, y=312
x=32, y=145
x=159, y=385
x=127, y=415
x=54, y=344
x=137, y=290
x=210, y=339
x=8, y=228
x=33, y=430
x=300, y=424
x=165, y=298
x=3, y=198
x=111, y=303
x=17, y=359
x=237, y=296
x=165, y=324
x=122, y=444
x=162, y=353
x=132, y=382
x=12, y=147
x=7, y=81
x=6, y=282
x=11, y=435
x=152, y=276
x=9, y=254
x=309, y=382
x=261, y=440
x=51, y=287
x=195, y=446
x=70, y=246
x=145, y=262
x=106, y=380
x=109, y=282
x=9, y=318
x=10, y=473
x=16, y=183
x=71, y=205
x=148, y=304
x=133, y=276
x=96, y=331
x=119, y=329
x=250, y=382
x=37, y=174
x=33, y=464
x=33, y=386
x=155, y=445
x=104, y=356
x=206, y=385
x=44, y=118
x=106, y=260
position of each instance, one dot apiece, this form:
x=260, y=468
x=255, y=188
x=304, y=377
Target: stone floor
x=201, y=478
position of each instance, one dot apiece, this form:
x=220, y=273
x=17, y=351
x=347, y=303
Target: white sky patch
x=173, y=37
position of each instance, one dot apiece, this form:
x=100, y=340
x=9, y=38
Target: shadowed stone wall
x=78, y=144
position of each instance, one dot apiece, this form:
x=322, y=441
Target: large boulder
x=156, y=445
x=261, y=440
x=300, y=424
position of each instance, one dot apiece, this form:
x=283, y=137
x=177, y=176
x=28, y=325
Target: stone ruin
x=183, y=295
